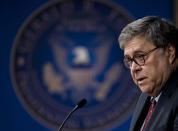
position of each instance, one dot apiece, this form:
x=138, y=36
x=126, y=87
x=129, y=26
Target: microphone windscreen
x=82, y=103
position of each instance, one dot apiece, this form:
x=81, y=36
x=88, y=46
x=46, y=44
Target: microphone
x=80, y=104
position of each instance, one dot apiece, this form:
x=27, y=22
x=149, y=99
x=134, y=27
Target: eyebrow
x=136, y=52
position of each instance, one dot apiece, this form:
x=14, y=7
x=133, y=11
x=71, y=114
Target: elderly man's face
x=150, y=77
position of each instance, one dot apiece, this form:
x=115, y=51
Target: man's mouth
x=140, y=80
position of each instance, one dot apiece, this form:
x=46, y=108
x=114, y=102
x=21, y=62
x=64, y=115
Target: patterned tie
x=153, y=103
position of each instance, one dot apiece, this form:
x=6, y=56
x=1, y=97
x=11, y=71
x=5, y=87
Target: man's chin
x=145, y=89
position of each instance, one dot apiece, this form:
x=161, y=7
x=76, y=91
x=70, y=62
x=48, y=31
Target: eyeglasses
x=139, y=59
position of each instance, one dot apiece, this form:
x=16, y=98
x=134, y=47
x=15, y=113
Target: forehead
x=137, y=44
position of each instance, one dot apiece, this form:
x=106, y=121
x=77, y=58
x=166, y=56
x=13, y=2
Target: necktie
x=153, y=103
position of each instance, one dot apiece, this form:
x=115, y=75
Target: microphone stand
x=79, y=105
x=74, y=109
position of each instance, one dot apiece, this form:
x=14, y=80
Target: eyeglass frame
x=142, y=57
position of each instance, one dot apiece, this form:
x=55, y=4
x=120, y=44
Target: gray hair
x=158, y=31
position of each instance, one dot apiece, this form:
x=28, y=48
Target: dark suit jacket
x=165, y=114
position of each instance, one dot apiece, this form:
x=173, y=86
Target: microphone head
x=81, y=103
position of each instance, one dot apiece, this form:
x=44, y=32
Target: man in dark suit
x=150, y=49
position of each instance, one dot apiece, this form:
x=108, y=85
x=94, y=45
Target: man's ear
x=171, y=52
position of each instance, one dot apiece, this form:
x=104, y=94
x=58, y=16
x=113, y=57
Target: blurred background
x=13, y=14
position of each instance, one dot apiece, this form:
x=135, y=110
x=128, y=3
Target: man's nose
x=135, y=67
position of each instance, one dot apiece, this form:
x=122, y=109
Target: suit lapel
x=140, y=112
x=164, y=99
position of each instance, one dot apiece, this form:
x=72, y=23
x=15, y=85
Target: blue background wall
x=12, y=15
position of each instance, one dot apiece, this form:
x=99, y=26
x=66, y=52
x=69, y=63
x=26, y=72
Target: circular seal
x=67, y=50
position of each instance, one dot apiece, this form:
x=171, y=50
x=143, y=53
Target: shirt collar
x=156, y=98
